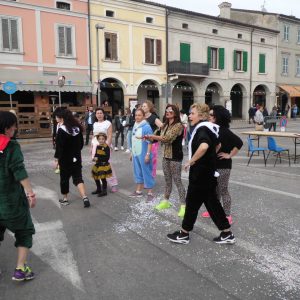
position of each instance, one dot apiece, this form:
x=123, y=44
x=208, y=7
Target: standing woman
x=171, y=139
x=69, y=143
x=230, y=146
x=202, y=180
x=120, y=121
x=104, y=126
x=129, y=125
x=155, y=123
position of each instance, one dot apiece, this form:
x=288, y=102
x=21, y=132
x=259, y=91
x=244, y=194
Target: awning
x=38, y=81
x=292, y=90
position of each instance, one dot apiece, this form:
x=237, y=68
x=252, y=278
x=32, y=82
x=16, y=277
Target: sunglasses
x=169, y=110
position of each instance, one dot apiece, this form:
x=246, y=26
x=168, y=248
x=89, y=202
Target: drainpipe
x=167, y=53
x=90, y=47
x=251, y=50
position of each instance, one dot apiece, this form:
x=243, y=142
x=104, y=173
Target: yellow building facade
x=132, y=52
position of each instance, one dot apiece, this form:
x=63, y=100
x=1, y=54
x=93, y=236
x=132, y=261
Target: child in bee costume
x=102, y=169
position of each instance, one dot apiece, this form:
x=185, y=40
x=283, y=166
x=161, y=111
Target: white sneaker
x=127, y=151
x=116, y=148
x=122, y=148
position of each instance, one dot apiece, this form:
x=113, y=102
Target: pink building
x=41, y=41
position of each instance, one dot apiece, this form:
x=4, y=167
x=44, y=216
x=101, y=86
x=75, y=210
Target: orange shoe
x=205, y=214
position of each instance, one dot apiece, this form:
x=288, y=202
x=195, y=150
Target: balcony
x=188, y=69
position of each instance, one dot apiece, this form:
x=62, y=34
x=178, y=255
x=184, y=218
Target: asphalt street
x=117, y=249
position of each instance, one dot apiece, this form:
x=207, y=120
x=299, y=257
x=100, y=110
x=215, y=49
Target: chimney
x=225, y=8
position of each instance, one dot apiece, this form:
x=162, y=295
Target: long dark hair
x=176, y=115
x=222, y=116
x=7, y=120
x=69, y=120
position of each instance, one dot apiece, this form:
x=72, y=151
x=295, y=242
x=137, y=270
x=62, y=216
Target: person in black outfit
x=202, y=179
x=89, y=121
x=120, y=121
x=69, y=143
x=251, y=112
x=230, y=146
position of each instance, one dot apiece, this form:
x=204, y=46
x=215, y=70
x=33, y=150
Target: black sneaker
x=103, y=193
x=179, y=237
x=64, y=201
x=95, y=192
x=86, y=202
x=225, y=238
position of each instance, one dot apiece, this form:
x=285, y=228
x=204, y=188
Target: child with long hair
x=102, y=169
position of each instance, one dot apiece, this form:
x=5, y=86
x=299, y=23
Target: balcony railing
x=196, y=69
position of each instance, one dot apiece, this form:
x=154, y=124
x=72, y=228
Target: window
x=298, y=67
x=286, y=32
x=9, y=34
x=298, y=36
x=185, y=26
x=65, y=44
x=185, y=53
x=240, y=60
x=285, y=65
x=110, y=13
x=262, y=40
x=153, y=53
x=149, y=20
x=63, y=5
x=262, y=63
x=111, y=46
x=215, y=31
x=240, y=36
x=216, y=58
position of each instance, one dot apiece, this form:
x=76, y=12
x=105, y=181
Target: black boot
x=103, y=193
x=99, y=189
x=96, y=192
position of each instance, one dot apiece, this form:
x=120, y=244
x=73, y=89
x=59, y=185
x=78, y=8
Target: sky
x=210, y=7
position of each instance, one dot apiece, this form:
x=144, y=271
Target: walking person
x=104, y=126
x=230, y=146
x=120, y=122
x=294, y=111
x=273, y=118
x=251, y=113
x=259, y=118
x=202, y=179
x=69, y=143
x=89, y=120
x=155, y=123
x=141, y=156
x=102, y=169
x=129, y=125
x=171, y=138
x=16, y=196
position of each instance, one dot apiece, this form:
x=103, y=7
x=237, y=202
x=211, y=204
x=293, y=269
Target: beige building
x=220, y=61
x=132, y=47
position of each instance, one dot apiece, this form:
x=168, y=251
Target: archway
x=183, y=95
x=112, y=91
x=236, y=96
x=259, y=95
x=212, y=94
x=148, y=90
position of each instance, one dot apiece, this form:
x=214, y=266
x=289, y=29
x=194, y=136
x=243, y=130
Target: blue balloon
x=9, y=87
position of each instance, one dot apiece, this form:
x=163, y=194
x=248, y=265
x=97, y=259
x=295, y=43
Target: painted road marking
x=45, y=193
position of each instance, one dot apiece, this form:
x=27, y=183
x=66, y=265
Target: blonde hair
x=150, y=105
x=202, y=109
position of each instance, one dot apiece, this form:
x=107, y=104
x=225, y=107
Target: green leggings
x=22, y=228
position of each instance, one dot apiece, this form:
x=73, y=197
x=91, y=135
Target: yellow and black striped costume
x=102, y=168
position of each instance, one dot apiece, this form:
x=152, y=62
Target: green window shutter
x=245, y=61
x=262, y=63
x=185, y=52
x=234, y=60
x=209, y=56
x=221, y=58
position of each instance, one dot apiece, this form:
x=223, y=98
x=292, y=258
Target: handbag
x=259, y=127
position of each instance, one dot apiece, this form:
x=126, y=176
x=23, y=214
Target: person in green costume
x=16, y=195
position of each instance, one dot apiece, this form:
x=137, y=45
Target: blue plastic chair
x=273, y=147
x=252, y=149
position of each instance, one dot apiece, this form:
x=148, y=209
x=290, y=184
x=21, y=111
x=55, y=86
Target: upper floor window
x=240, y=60
x=153, y=52
x=185, y=26
x=215, y=31
x=110, y=13
x=216, y=57
x=111, y=46
x=286, y=32
x=298, y=66
x=63, y=5
x=262, y=40
x=149, y=20
x=262, y=63
x=185, y=52
x=240, y=36
x=285, y=65
x=298, y=36
x=65, y=41
x=9, y=34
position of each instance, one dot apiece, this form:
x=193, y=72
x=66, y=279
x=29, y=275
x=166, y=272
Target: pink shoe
x=114, y=189
x=229, y=218
x=205, y=214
